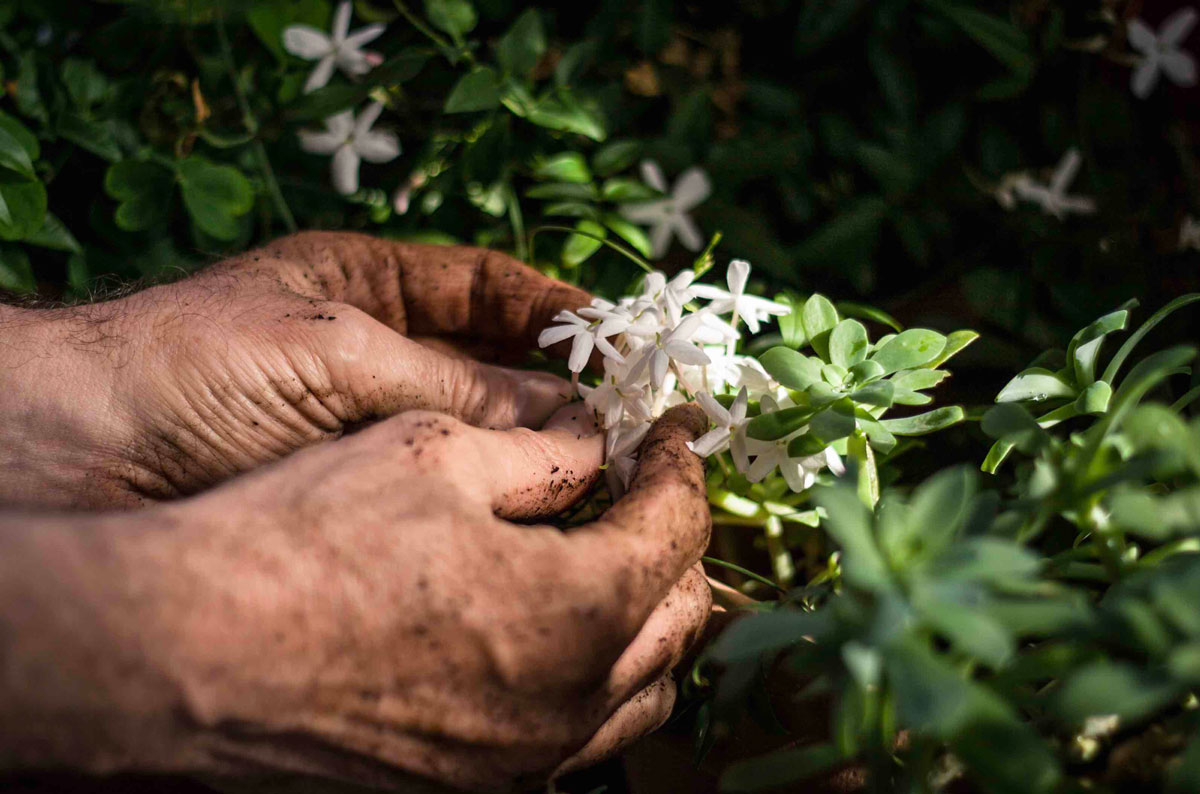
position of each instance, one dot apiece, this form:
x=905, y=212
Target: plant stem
x=743, y=571
x=429, y=33
x=251, y=123
x=637, y=260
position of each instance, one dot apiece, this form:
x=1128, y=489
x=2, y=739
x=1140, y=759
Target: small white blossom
x=727, y=421
x=799, y=472
x=351, y=141
x=750, y=308
x=674, y=345
x=337, y=49
x=668, y=216
x=1162, y=52
x=617, y=397
x=620, y=448
x=1052, y=198
x=583, y=332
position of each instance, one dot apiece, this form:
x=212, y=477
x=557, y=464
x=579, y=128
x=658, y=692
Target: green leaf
x=1107, y=687
x=623, y=190
x=214, y=195
x=1013, y=423
x=833, y=423
x=615, y=156
x=919, y=379
x=849, y=523
x=25, y=139
x=778, y=424
x=563, y=191
x=54, y=234
x=779, y=768
x=1036, y=385
x=866, y=371
x=572, y=209
x=930, y=422
x=563, y=167
x=791, y=326
x=790, y=367
x=1085, y=345
x=819, y=318
x=1158, y=518
x=864, y=312
x=581, y=246
x=568, y=115
x=1004, y=40
x=519, y=49
x=14, y=154
x=974, y=633
x=1094, y=399
x=910, y=349
x=879, y=393
x=93, y=136
x=955, y=343
x=1114, y=366
x=940, y=505
x=629, y=232
x=16, y=274
x=22, y=205
x=476, y=90
x=456, y=17
x=848, y=343
x=767, y=632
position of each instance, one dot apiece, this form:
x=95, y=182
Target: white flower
x=750, y=308
x=727, y=420
x=616, y=397
x=1053, y=198
x=675, y=345
x=351, y=141
x=585, y=339
x=339, y=48
x=668, y=216
x=1161, y=52
x=1189, y=234
x=620, y=447
x=799, y=472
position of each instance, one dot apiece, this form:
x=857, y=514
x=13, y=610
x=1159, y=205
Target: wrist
x=54, y=407
x=88, y=616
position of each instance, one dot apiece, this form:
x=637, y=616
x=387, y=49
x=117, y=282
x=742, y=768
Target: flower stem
x=743, y=571
x=251, y=123
x=429, y=33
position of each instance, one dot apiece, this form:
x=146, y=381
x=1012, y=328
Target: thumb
x=376, y=373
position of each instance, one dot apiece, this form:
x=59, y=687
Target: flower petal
x=686, y=353
x=710, y=443
x=737, y=275
x=319, y=142
x=377, y=147
x=652, y=175
x=320, y=75
x=660, y=240
x=361, y=36
x=658, y=367
x=1177, y=27
x=737, y=411
x=1141, y=37
x=1179, y=66
x=306, y=42
x=555, y=334
x=341, y=21
x=689, y=236
x=716, y=412
x=581, y=351
x=691, y=188
x=345, y=170
x=794, y=474
x=1145, y=77
x=367, y=118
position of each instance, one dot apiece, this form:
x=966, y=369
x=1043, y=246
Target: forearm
x=82, y=646
x=54, y=389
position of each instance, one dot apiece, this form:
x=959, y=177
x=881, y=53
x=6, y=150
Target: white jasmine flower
x=339, y=48
x=674, y=345
x=750, y=308
x=616, y=397
x=620, y=448
x=585, y=339
x=350, y=141
x=1189, y=234
x=727, y=420
x=1053, y=198
x=668, y=216
x=1161, y=52
x=799, y=473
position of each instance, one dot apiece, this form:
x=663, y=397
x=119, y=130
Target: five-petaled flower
x=727, y=420
x=351, y=141
x=1162, y=52
x=669, y=216
x=1052, y=198
x=750, y=308
x=338, y=48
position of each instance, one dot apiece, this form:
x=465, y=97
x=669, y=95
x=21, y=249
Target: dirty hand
x=324, y=615
x=170, y=390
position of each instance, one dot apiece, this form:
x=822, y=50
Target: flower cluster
x=660, y=348
x=784, y=411
x=347, y=139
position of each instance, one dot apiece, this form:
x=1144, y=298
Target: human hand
x=167, y=391
x=365, y=610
